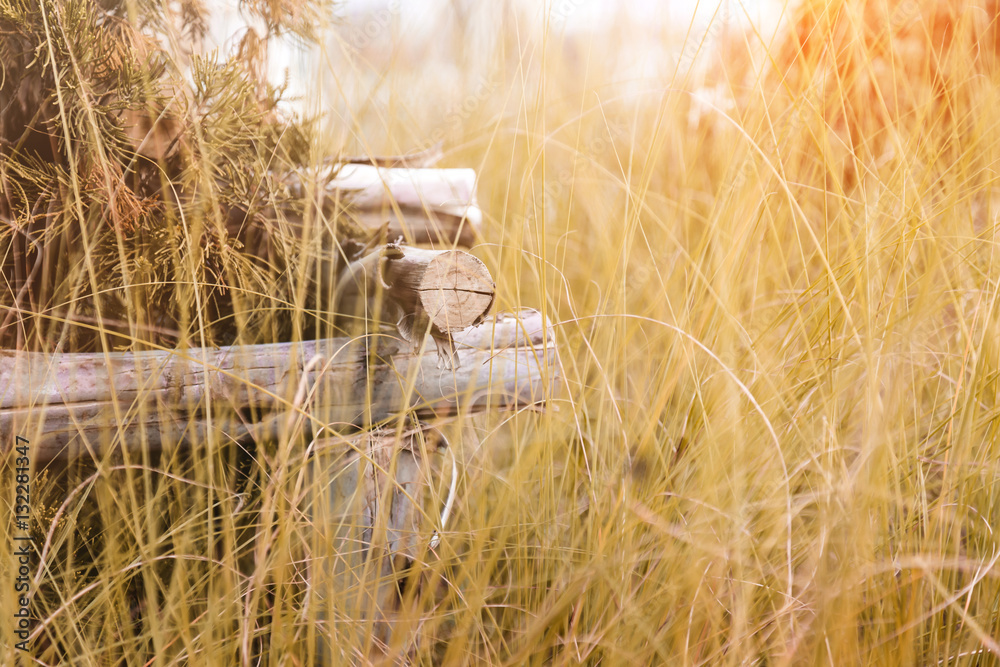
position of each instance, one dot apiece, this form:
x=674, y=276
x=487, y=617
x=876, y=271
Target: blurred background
x=455, y=46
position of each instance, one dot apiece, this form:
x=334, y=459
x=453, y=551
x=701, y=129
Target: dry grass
x=777, y=439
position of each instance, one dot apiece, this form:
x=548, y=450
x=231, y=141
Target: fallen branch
x=66, y=404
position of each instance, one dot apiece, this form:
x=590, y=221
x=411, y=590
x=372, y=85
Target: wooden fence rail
x=66, y=404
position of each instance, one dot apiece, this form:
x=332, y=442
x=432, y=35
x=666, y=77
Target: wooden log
x=452, y=289
x=433, y=291
x=67, y=404
x=368, y=506
x=427, y=206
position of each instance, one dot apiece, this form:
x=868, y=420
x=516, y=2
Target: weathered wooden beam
x=66, y=404
x=428, y=206
x=368, y=500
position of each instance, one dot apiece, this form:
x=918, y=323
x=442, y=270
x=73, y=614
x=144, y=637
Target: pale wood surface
x=453, y=288
x=367, y=507
x=429, y=206
x=423, y=291
x=70, y=403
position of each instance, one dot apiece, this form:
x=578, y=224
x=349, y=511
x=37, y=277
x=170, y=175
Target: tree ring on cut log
x=456, y=291
x=450, y=290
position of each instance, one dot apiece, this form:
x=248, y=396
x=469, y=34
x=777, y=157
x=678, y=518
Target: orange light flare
x=872, y=69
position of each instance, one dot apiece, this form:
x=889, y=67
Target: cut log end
x=456, y=291
x=449, y=290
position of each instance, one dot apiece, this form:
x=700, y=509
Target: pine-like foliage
x=138, y=180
